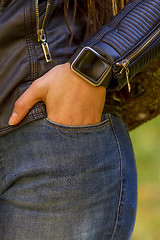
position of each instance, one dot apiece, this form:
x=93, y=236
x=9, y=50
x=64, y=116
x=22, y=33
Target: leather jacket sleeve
x=129, y=42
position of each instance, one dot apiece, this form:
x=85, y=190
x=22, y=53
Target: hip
x=69, y=182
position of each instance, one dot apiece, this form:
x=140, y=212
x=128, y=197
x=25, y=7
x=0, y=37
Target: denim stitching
x=78, y=129
x=121, y=177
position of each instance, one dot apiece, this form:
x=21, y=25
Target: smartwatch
x=91, y=66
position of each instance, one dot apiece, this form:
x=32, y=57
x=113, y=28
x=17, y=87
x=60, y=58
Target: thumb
x=28, y=99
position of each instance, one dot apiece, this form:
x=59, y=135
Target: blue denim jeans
x=67, y=183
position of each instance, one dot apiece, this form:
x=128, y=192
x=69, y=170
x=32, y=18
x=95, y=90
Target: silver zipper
x=40, y=31
x=124, y=64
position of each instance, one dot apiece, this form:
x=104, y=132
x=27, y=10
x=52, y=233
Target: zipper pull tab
x=124, y=65
x=128, y=83
x=46, y=51
x=42, y=38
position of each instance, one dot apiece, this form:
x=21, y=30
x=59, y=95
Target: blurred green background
x=146, y=144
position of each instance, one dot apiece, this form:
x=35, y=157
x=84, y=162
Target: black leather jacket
x=21, y=56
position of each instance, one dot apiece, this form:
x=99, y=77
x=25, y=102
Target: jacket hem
x=37, y=112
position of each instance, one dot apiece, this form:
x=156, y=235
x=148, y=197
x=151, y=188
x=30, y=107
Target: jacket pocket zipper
x=124, y=64
x=40, y=31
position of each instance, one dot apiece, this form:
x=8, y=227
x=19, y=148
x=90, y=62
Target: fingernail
x=13, y=119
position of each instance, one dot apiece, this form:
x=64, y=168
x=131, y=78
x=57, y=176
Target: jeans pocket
x=105, y=121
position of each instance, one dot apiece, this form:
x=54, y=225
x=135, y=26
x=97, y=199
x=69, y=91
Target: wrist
x=78, y=79
x=85, y=91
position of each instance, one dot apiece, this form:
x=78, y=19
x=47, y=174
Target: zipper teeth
x=37, y=14
x=125, y=62
x=133, y=55
x=45, y=15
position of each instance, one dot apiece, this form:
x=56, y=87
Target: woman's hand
x=69, y=99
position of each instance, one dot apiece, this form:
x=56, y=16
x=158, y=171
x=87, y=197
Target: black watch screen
x=91, y=66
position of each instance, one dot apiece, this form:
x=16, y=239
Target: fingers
x=28, y=99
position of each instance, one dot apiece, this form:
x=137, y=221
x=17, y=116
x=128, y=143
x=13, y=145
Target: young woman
x=67, y=168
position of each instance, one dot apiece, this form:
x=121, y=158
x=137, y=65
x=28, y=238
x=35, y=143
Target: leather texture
x=126, y=33
x=21, y=55
x=22, y=58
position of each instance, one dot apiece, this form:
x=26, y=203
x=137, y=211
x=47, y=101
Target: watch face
x=91, y=66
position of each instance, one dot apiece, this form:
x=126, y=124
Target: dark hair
x=98, y=12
